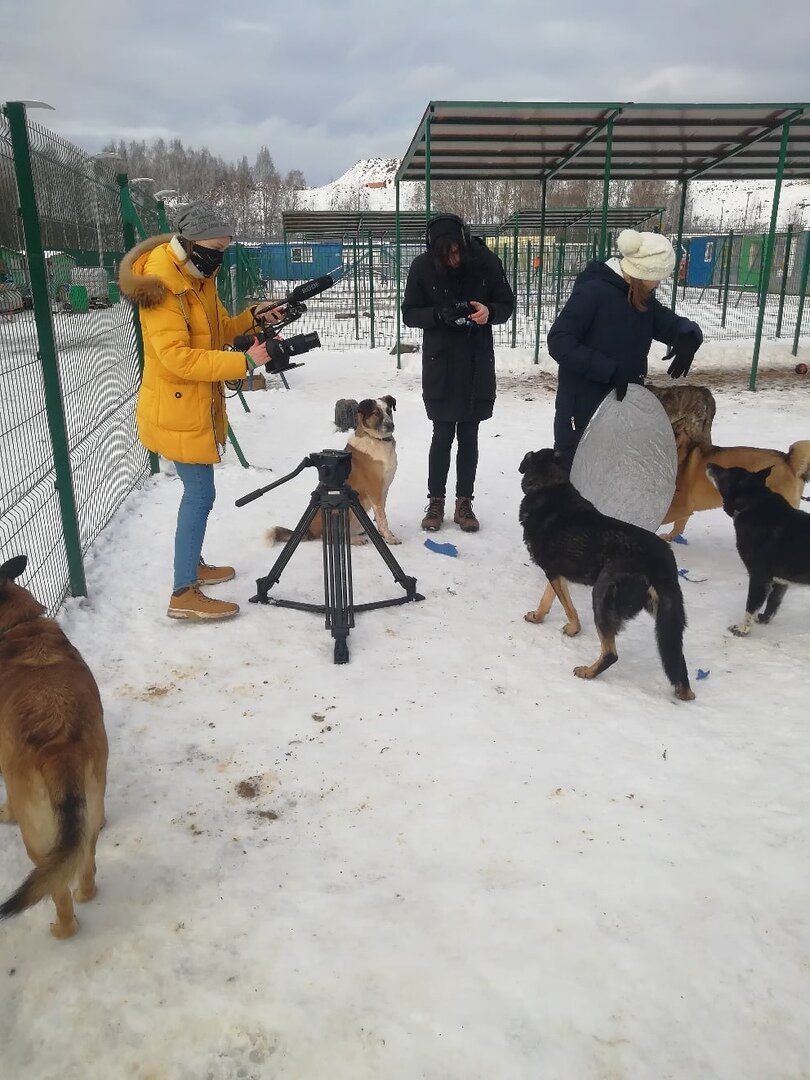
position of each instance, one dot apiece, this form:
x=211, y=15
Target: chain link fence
x=720, y=285
x=69, y=354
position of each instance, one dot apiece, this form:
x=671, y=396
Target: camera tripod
x=336, y=502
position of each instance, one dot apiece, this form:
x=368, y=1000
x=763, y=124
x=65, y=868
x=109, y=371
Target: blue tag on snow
x=701, y=674
x=680, y=539
x=442, y=549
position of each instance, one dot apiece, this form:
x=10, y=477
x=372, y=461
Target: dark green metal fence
x=69, y=356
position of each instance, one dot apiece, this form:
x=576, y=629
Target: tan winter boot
x=432, y=521
x=192, y=604
x=214, y=575
x=464, y=516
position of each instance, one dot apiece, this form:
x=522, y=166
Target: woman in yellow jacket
x=181, y=403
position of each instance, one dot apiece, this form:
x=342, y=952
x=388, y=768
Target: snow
x=740, y=205
x=460, y=861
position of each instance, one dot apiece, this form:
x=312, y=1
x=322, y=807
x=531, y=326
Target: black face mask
x=207, y=260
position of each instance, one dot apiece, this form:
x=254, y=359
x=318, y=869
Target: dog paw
x=583, y=672
x=63, y=931
x=533, y=617
x=358, y=541
x=391, y=539
x=684, y=693
x=82, y=896
x=740, y=631
x=571, y=629
x=765, y=619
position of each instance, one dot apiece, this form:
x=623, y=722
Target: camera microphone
x=310, y=288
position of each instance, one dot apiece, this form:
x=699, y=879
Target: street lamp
x=722, y=208
x=748, y=195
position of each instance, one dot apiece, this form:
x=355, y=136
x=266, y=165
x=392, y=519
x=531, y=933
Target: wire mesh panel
x=96, y=359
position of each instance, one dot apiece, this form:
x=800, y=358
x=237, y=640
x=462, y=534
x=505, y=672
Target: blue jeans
x=192, y=518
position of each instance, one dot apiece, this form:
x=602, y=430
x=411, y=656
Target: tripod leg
x=407, y=583
x=263, y=585
x=337, y=579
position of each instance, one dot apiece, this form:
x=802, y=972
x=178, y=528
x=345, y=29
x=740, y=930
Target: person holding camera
x=171, y=279
x=602, y=336
x=456, y=290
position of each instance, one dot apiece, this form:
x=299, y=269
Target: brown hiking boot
x=464, y=516
x=192, y=604
x=432, y=521
x=214, y=575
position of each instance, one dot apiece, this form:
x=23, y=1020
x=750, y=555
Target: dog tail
x=799, y=459
x=281, y=534
x=666, y=603
x=59, y=867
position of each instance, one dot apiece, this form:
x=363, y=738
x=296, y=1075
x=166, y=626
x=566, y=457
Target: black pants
x=466, y=434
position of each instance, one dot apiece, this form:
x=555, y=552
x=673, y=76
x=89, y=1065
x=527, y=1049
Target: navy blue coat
x=597, y=338
x=458, y=363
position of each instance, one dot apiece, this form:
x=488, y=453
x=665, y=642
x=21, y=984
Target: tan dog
x=694, y=490
x=53, y=753
x=374, y=465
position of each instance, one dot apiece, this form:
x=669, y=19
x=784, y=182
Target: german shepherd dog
x=773, y=540
x=628, y=567
x=53, y=753
x=374, y=465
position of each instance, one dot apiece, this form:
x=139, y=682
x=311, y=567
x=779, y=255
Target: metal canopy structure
x=572, y=217
x=458, y=140
x=349, y=224
x=605, y=141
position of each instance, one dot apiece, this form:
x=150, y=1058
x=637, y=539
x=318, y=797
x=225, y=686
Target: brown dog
x=53, y=753
x=374, y=464
x=691, y=410
x=694, y=490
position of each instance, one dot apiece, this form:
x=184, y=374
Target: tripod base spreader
x=336, y=502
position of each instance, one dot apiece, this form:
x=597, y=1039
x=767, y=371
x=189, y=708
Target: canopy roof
x=540, y=140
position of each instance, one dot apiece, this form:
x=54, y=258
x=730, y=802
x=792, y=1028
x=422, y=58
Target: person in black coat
x=602, y=336
x=455, y=291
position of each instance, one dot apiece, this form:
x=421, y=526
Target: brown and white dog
x=694, y=490
x=53, y=753
x=374, y=465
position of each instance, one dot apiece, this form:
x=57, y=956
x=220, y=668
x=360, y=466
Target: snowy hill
x=738, y=205
x=367, y=185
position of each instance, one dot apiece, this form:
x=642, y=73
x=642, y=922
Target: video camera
x=279, y=350
x=457, y=314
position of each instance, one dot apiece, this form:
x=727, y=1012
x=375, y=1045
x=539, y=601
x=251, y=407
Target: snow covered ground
x=448, y=859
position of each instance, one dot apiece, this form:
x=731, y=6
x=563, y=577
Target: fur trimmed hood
x=150, y=270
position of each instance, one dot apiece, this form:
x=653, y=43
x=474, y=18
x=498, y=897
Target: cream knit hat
x=645, y=255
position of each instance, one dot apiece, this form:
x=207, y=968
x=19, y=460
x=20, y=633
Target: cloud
x=325, y=83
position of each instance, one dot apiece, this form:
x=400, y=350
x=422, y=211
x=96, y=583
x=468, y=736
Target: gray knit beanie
x=202, y=221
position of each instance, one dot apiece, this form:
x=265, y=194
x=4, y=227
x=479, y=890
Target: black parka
x=597, y=338
x=458, y=363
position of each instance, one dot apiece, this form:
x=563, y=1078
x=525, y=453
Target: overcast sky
x=325, y=82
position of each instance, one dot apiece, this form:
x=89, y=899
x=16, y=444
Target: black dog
x=628, y=567
x=773, y=540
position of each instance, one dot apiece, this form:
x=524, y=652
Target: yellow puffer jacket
x=181, y=402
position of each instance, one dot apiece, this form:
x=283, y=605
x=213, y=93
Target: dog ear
x=527, y=458
x=391, y=402
x=366, y=407
x=13, y=568
x=763, y=474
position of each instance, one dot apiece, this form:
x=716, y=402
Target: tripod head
x=333, y=468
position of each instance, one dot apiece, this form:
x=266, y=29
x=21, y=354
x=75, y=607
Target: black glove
x=683, y=350
x=619, y=384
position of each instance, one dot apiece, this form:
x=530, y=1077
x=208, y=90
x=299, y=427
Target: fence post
x=355, y=272
x=371, y=286
x=783, y=287
x=802, y=292
x=514, y=283
x=18, y=129
x=127, y=209
x=727, y=268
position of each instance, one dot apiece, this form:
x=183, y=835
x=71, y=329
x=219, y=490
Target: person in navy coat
x=602, y=336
